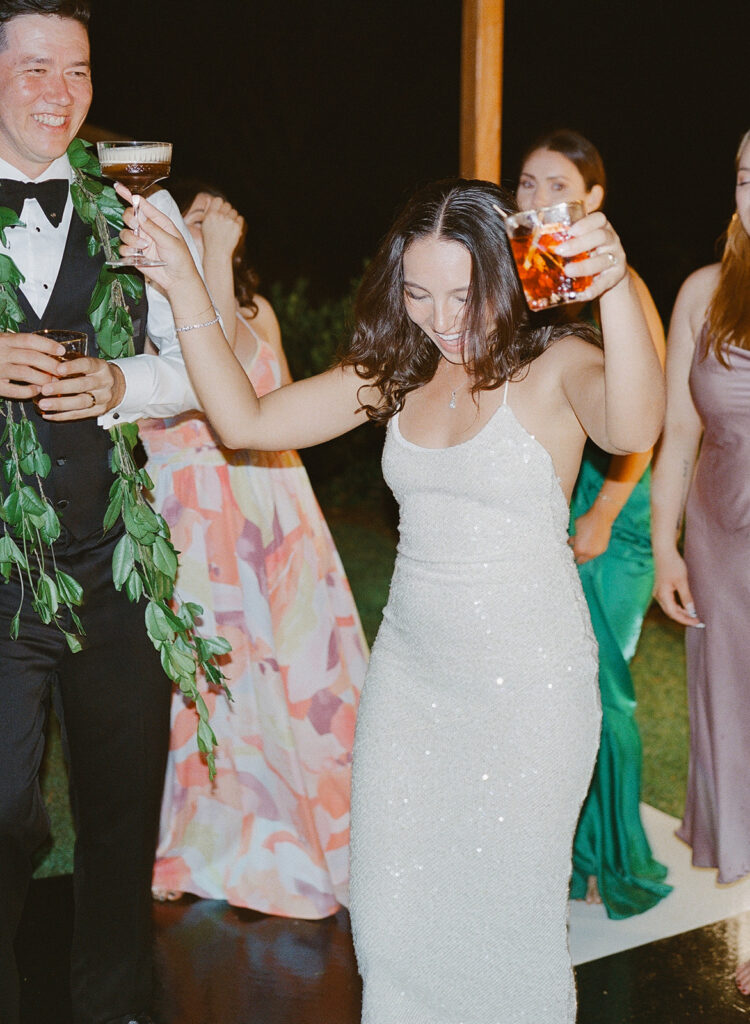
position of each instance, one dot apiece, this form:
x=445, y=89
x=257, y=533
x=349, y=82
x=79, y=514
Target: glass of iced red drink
x=534, y=236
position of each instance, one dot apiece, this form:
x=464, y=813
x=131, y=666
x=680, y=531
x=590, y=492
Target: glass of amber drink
x=534, y=236
x=75, y=344
x=139, y=165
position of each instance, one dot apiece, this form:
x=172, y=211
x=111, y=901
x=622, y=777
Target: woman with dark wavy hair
x=479, y=719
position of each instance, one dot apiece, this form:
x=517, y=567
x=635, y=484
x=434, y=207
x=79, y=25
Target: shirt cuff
x=154, y=387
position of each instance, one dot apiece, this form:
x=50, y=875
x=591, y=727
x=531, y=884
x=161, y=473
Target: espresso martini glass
x=139, y=165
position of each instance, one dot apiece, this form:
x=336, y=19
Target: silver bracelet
x=195, y=327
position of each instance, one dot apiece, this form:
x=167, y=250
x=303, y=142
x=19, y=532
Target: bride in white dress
x=479, y=719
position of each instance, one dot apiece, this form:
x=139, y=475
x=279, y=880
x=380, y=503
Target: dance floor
x=219, y=965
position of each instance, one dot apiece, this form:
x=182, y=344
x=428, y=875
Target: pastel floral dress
x=272, y=831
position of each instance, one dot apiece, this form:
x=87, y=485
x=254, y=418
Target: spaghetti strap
x=249, y=326
x=505, y=393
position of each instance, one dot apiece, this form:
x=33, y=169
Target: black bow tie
x=51, y=195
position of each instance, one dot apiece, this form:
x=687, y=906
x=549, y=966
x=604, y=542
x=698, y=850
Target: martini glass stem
x=136, y=215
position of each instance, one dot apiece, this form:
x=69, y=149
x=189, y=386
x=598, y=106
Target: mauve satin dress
x=717, y=551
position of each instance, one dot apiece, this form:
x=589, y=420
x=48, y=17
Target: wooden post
x=481, y=88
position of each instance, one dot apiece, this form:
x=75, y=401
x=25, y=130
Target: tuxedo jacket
x=79, y=481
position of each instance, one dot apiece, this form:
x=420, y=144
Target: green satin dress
x=610, y=842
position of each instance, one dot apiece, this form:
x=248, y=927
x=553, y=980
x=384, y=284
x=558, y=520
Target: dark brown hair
x=391, y=352
x=246, y=281
x=78, y=10
x=578, y=150
x=728, y=317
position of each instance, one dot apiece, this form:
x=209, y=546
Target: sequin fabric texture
x=272, y=832
x=476, y=738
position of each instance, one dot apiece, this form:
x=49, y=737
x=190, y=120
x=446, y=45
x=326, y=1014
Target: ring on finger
x=93, y=400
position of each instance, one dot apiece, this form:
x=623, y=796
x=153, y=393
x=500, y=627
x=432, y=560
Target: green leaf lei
x=144, y=561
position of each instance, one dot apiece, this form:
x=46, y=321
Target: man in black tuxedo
x=113, y=696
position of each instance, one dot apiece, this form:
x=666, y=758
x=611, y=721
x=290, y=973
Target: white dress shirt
x=154, y=385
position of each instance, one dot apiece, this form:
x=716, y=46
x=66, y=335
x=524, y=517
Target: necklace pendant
x=452, y=403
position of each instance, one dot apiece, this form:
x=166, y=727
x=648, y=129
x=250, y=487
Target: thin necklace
x=454, y=392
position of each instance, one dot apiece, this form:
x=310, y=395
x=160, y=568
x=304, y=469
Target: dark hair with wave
x=578, y=150
x=393, y=354
x=246, y=280
x=78, y=10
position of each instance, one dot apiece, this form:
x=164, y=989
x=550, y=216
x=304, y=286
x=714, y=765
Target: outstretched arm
x=301, y=414
x=221, y=229
x=620, y=401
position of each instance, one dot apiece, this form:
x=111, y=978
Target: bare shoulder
x=570, y=350
x=640, y=285
x=264, y=321
x=704, y=279
x=265, y=309
x=695, y=294
x=635, y=276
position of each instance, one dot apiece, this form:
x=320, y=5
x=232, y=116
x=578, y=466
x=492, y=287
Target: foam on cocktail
x=147, y=154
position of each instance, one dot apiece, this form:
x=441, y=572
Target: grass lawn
x=659, y=676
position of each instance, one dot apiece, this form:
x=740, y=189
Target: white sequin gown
x=476, y=738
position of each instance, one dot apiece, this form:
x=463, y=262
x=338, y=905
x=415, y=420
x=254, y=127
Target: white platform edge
x=695, y=901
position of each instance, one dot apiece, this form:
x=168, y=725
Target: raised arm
x=297, y=416
x=677, y=451
x=620, y=401
x=221, y=228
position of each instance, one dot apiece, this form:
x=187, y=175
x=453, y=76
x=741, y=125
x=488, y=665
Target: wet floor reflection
x=216, y=963
x=219, y=965
x=685, y=979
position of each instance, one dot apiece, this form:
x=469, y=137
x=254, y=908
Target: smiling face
x=742, y=190
x=549, y=177
x=437, y=276
x=45, y=89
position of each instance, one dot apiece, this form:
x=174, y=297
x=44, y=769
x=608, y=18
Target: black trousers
x=115, y=703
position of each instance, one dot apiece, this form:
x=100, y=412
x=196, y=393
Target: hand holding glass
x=139, y=165
x=75, y=345
x=534, y=236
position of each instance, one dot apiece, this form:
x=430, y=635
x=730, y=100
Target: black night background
x=318, y=118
